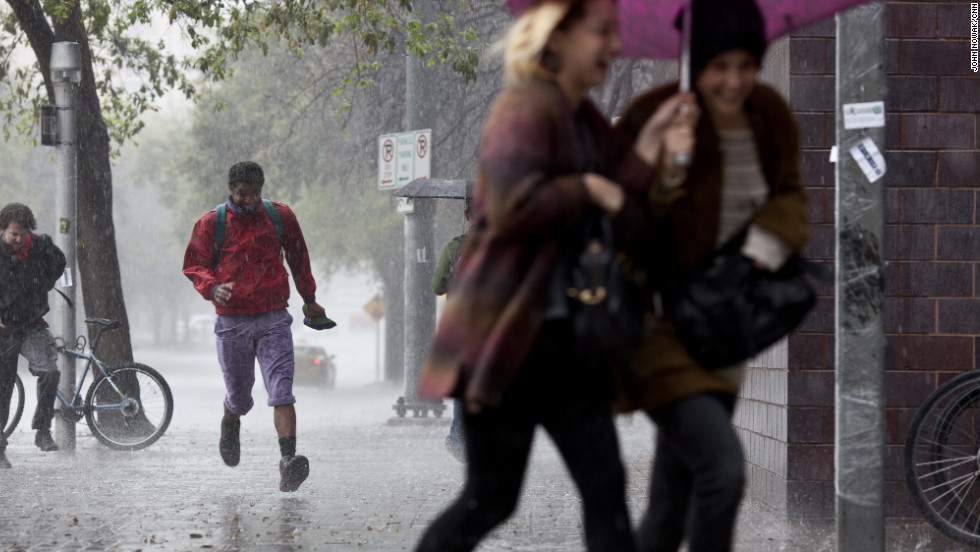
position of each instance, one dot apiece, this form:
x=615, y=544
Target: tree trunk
x=98, y=261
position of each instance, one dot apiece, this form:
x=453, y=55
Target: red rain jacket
x=250, y=258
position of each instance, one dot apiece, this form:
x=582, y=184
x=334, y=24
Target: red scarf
x=22, y=254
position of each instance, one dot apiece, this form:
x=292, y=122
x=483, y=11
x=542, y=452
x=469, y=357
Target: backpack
x=219, y=225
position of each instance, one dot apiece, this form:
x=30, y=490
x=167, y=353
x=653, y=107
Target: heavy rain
x=310, y=91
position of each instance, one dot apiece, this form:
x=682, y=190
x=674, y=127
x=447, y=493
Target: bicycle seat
x=109, y=324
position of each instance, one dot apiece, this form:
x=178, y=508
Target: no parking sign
x=403, y=157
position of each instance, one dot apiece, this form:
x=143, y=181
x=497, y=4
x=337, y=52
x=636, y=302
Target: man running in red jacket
x=244, y=277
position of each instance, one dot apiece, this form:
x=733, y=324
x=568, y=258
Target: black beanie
x=248, y=172
x=721, y=25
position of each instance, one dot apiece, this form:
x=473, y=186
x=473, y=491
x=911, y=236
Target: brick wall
x=933, y=231
x=932, y=244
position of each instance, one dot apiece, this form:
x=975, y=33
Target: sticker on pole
x=864, y=115
x=867, y=156
x=66, y=278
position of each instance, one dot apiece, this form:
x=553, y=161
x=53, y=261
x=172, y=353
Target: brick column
x=932, y=242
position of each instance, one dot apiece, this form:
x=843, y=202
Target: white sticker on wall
x=870, y=160
x=66, y=279
x=864, y=115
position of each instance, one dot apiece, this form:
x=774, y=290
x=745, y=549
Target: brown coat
x=527, y=194
x=662, y=372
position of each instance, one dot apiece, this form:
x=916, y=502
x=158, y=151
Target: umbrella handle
x=685, y=80
x=684, y=159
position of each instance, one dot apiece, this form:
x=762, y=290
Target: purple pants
x=241, y=339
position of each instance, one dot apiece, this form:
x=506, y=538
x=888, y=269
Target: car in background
x=314, y=366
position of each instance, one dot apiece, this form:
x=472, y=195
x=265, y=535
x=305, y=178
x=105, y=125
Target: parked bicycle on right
x=127, y=407
x=942, y=458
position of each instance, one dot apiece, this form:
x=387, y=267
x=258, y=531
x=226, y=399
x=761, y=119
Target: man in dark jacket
x=242, y=274
x=30, y=265
x=455, y=441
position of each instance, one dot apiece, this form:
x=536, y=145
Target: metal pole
x=420, y=303
x=859, y=287
x=65, y=74
x=419, y=299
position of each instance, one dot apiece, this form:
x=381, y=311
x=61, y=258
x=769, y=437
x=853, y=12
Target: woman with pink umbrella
x=547, y=157
x=744, y=181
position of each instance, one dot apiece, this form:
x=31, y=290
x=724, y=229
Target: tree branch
x=39, y=33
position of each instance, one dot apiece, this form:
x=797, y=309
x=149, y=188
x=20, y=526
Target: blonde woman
x=503, y=346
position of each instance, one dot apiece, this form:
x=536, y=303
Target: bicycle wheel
x=131, y=408
x=16, y=406
x=942, y=458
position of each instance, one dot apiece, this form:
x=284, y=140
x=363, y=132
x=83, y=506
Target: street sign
x=386, y=161
x=423, y=154
x=375, y=307
x=403, y=157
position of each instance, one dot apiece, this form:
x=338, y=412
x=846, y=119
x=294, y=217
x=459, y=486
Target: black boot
x=44, y=441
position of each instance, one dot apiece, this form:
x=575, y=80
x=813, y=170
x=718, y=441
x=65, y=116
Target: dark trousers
x=698, y=478
x=498, y=444
x=37, y=345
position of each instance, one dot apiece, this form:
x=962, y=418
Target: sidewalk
x=374, y=486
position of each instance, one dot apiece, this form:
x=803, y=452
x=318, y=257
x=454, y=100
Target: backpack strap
x=274, y=217
x=219, y=230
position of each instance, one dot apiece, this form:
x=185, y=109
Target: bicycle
x=942, y=458
x=127, y=407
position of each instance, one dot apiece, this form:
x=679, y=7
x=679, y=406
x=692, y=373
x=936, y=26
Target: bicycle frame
x=77, y=401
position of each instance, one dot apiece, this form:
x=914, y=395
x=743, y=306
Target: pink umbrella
x=648, y=31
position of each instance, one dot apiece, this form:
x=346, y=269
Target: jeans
x=36, y=344
x=698, y=478
x=498, y=443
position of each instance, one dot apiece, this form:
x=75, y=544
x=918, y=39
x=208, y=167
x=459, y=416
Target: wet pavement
x=374, y=485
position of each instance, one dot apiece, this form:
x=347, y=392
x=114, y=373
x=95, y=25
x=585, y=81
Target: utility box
x=49, y=125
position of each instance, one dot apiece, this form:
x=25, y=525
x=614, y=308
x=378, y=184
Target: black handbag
x=730, y=310
x=603, y=296
x=591, y=287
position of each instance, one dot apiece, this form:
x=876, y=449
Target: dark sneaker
x=4, y=463
x=293, y=471
x=44, y=441
x=229, y=445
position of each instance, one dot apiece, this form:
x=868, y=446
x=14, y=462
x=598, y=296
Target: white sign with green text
x=403, y=157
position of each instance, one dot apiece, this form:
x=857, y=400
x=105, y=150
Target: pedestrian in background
x=745, y=176
x=30, y=265
x=441, y=280
x=546, y=158
x=239, y=268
